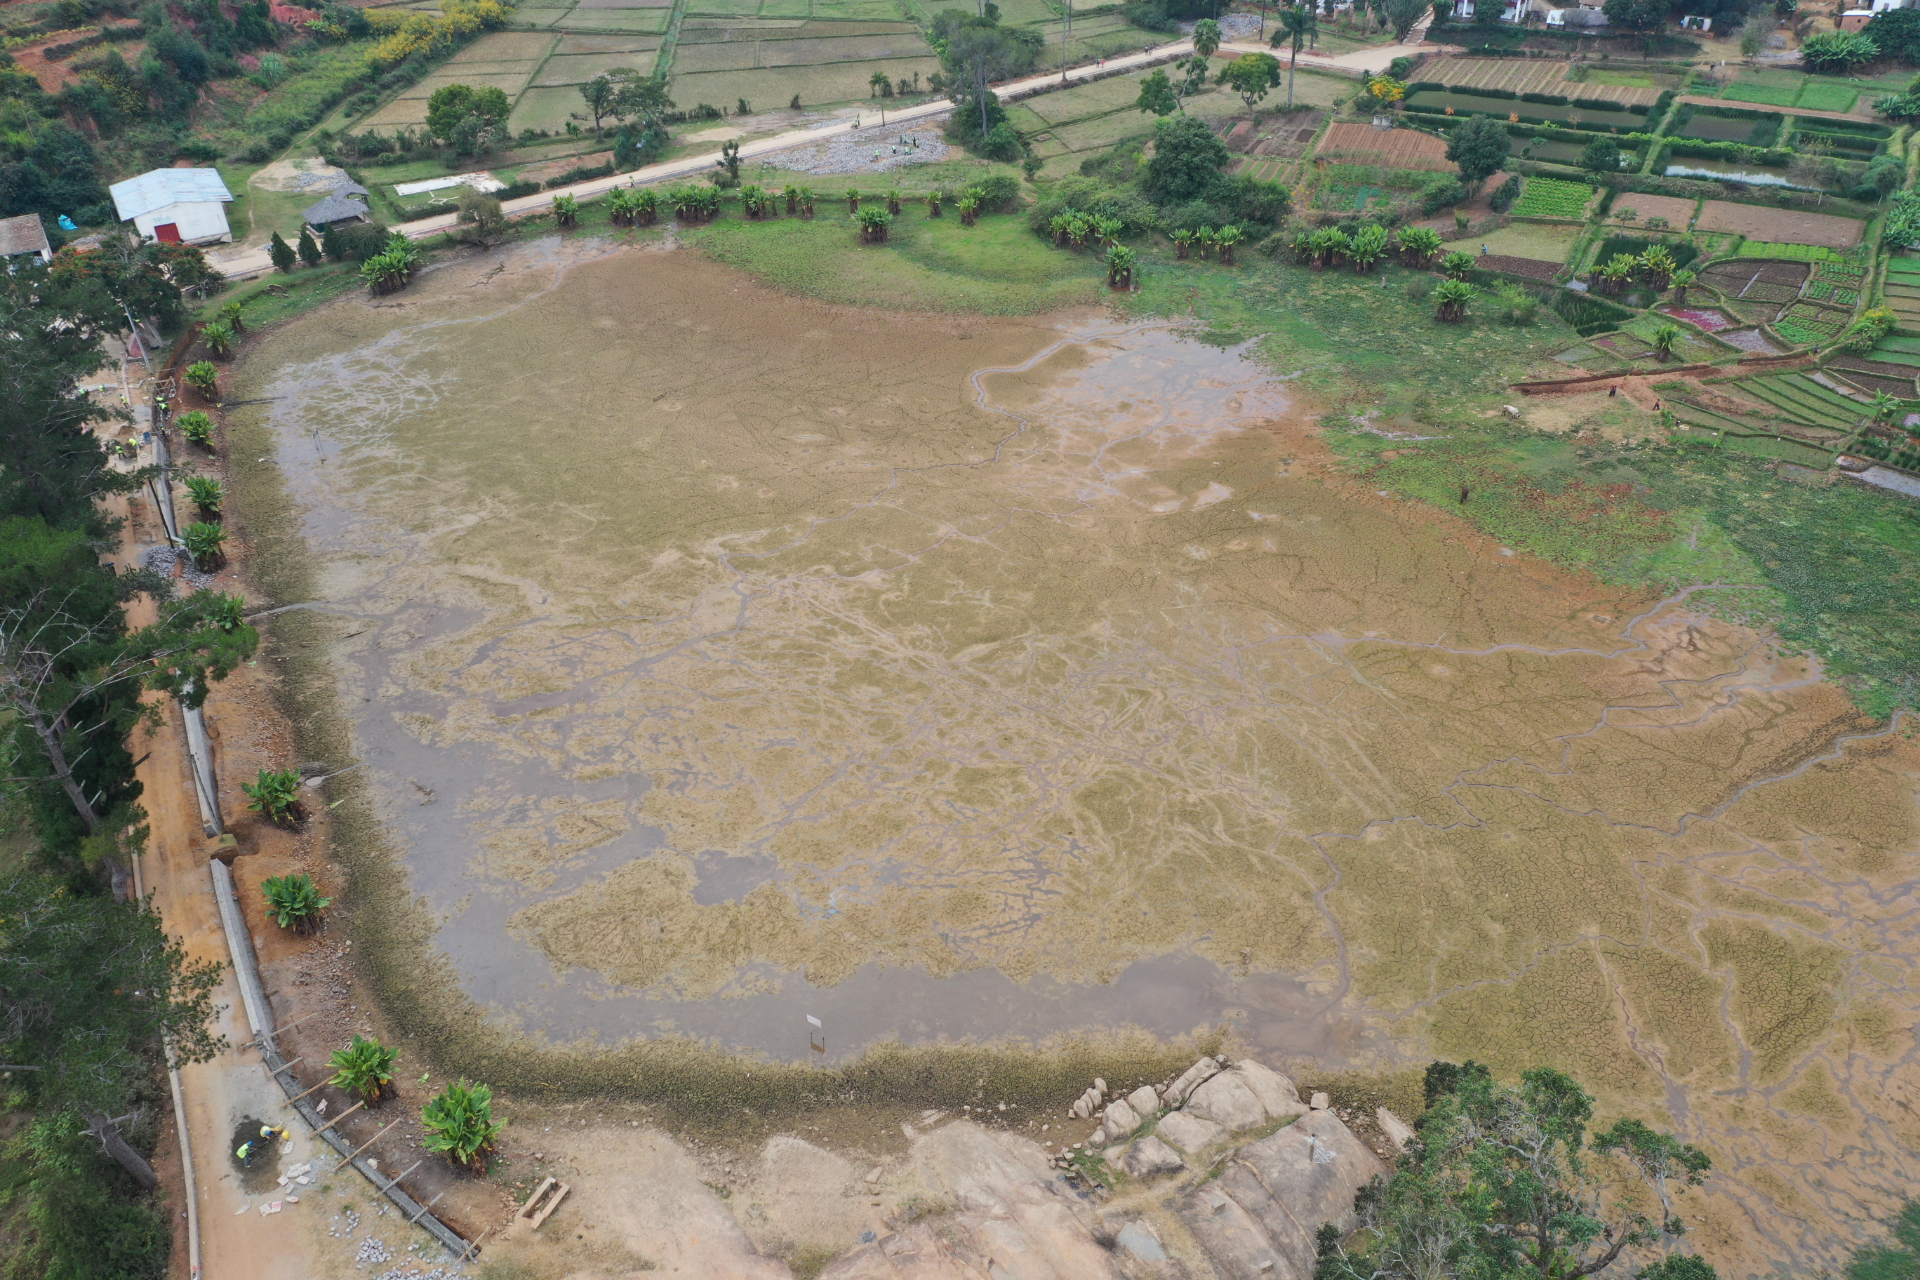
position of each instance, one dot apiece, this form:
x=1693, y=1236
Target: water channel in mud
x=721, y=658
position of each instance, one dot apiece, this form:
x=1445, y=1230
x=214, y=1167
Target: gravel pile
x=414, y=1273
x=854, y=152
x=372, y=1251
x=162, y=559
x=1235, y=26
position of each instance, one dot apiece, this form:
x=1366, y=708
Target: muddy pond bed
x=717, y=658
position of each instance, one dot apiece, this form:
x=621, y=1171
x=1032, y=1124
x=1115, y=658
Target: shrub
x=1504, y=195
x=197, y=427
x=1441, y=193
x=1187, y=157
x=1863, y=334
x=997, y=193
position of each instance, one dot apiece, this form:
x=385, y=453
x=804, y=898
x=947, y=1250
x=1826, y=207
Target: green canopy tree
x=1157, y=95
x=977, y=50
x=1206, y=38
x=1479, y=148
x=282, y=253
x=452, y=105
x=1186, y=159
x=1507, y=1180
x=1252, y=76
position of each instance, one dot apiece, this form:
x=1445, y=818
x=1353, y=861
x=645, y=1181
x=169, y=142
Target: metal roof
x=24, y=234
x=335, y=208
x=162, y=187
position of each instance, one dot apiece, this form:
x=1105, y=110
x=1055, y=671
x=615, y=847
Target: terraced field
x=1798, y=397
x=1903, y=289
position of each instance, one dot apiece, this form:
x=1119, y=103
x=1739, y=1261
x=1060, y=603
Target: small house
x=22, y=237
x=175, y=206
x=337, y=209
x=1855, y=19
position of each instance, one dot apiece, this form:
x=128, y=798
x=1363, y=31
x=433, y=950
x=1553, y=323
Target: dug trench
x=1029, y=700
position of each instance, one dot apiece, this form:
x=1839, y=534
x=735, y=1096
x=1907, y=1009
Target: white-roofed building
x=177, y=206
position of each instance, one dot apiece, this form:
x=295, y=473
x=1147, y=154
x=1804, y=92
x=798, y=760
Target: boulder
x=1145, y=1102
x=1187, y=1131
x=1238, y=1247
x=1190, y=1079
x=1398, y=1131
x=1228, y=1101
x=1082, y=1109
x=1275, y=1091
x=1150, y=1158
x=1122, y=1119
x=1320, y=1102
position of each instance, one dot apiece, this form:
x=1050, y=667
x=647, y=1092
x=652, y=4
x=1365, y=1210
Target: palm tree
x=793, y=200
x=1418, y=245
x=1368, y=244
x=1665, y=339
x=1884, y=407
x=1206, y=37
x=1682, y=280
x=1292, y=25
x=1453, y=297
x=877, y=81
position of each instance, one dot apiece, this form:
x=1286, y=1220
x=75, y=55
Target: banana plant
x=231, y=314
x=203, y=542
x=1453, y=297
x=853, y=199
x=196, y=427
x=1120, y=263
x=1457, y=264
x=219, y=338
x=1665, y=339
x=1418, y=245
x=933, y=203
x=1227, y=237
x=873, y=225
x=566, y=212
x=969, y=209
x=294, y=901
x=204, y=378
x=1182, y=243
x=364, y=1069
x=207, y=494
x=459, y=1122
x=275, y=793
x=893, y=201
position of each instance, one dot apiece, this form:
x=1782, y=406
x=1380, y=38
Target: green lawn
x=1833, y=569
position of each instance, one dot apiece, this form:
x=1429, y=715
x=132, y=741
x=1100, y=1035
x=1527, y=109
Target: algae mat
x=721, y=658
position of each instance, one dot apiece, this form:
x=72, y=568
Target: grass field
x=1792, y=89
x=996, y=267
x=1547, y=242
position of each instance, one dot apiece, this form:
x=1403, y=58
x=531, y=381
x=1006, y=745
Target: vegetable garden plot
x=1678, y=212
x=1784, y=226
x=502, y=46
x=1552, y=198
x=1518, y=75
x=637, y=20
x=1387, y=148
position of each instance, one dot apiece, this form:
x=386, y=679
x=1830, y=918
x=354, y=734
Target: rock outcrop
x=1258, y=1219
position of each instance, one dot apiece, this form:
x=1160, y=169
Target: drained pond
x=715, y=659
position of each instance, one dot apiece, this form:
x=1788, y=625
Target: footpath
x=256, y=262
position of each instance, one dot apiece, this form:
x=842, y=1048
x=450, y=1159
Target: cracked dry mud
x=722, y=657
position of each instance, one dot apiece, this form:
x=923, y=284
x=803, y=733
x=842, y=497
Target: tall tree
x=1401, y=15
x=1294, y=24
x=1206, y=37
x=1507, y=1181
x=89, y=988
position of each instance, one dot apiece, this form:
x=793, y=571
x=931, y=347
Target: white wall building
x=177, y=206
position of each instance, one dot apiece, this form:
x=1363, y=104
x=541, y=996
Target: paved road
x=255, y=262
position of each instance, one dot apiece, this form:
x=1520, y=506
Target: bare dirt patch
x=1391, y=148
x=1677, y=212
x=1780, y=226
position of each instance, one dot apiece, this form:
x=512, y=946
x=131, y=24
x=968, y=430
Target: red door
x=167, y=232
